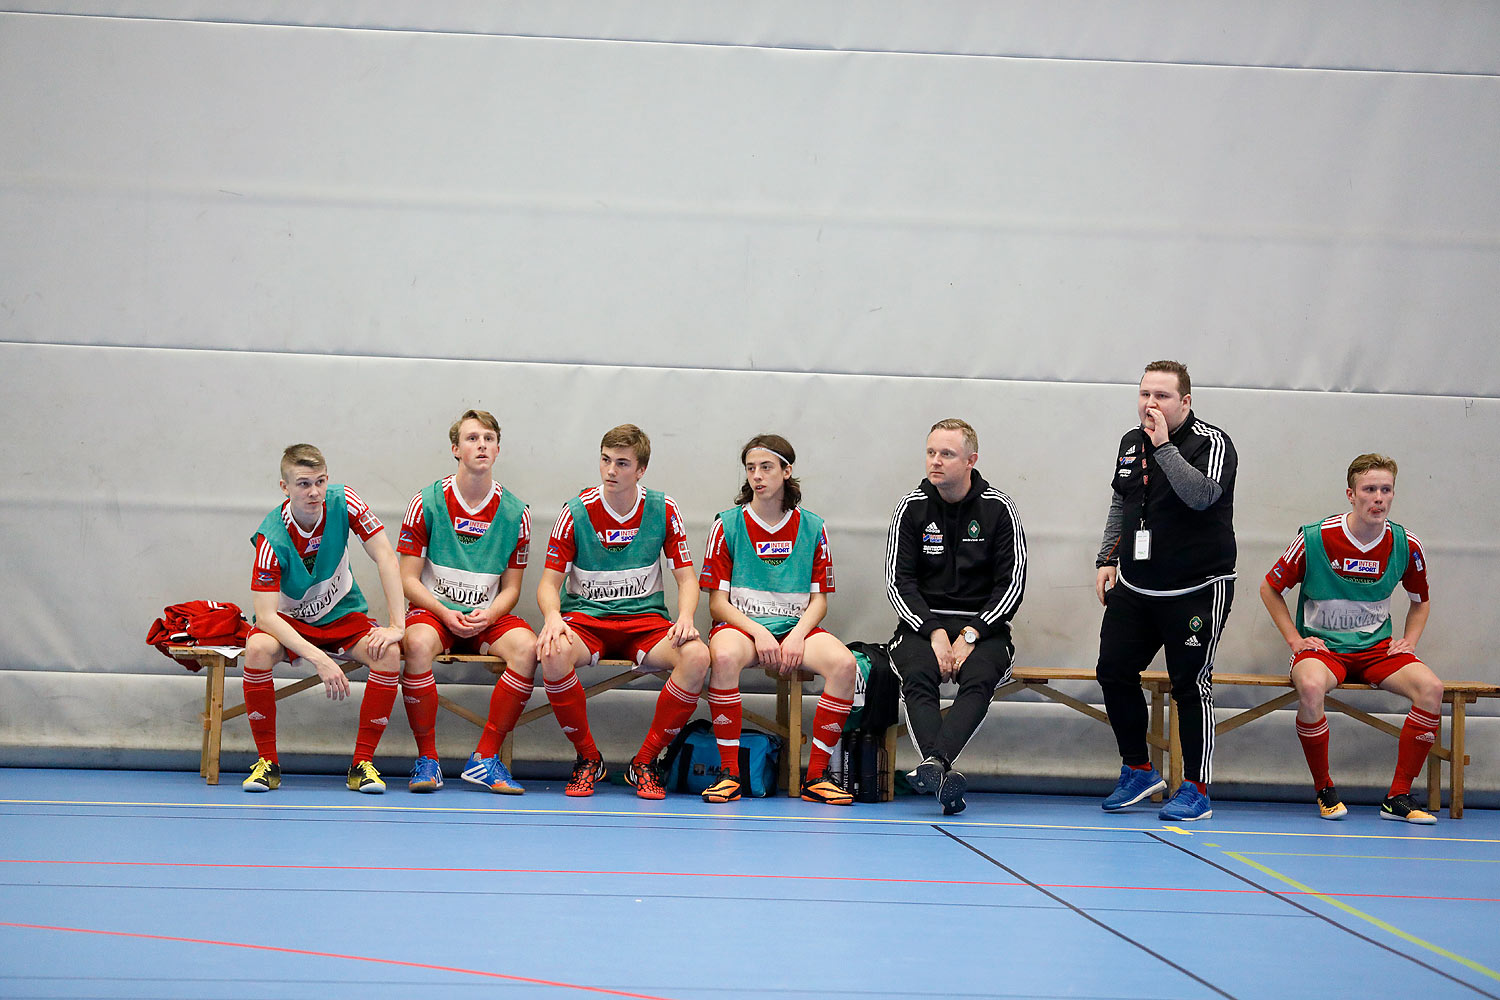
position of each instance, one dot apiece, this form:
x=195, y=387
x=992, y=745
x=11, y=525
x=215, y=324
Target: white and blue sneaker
x=1134, y=786
x=426, y=776
x=490, y=773
x=1186, y=805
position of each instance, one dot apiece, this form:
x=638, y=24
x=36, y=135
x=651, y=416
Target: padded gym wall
x=230, y=226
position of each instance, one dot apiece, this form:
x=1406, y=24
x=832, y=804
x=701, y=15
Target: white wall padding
x=709, y=206
x=144, y=472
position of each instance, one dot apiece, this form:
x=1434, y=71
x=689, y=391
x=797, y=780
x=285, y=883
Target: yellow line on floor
x=1468, y=963
x=260, y=804
x=1365, y=857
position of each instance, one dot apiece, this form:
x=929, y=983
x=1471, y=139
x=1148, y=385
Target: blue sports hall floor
x=152, y=884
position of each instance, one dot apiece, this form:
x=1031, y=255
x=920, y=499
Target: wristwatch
x=969, y=635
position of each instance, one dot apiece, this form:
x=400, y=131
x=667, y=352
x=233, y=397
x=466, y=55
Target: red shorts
x=335, y=638
x=472, y=644
x=721, y=626
x=628, y=637
x=1366, y=666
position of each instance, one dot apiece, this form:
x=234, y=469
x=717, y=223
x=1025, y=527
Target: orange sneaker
x=726, y=789
x=826, y=791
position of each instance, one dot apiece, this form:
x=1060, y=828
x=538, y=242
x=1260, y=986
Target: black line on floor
x=1085, y=914
x=1321, y=916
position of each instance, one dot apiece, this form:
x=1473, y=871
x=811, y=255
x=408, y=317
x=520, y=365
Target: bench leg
x=793, y=766
x=1174, y=753
x=208, y=705
x=213, y=723
x=1158, y=718
x=1456, y=794
x=1434, y=765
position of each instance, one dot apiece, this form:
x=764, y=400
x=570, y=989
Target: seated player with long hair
x=769, y=573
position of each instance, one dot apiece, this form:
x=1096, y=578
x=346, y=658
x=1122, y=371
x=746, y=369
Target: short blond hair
x=485, y=417
x=301, y=456
x=1369, y=463
x=971, y=438
x=628, y=436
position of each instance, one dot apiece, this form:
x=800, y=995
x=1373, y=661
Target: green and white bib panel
x=466, y=576
x=607, y=583
x=1348, y=615
x=774, y=592
x=327, y=591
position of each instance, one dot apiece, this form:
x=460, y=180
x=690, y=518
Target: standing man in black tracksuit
x=955, y=569
x=1169, y=544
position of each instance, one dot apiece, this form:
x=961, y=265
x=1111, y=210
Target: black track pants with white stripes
x=1134, y=628
x=916, y=664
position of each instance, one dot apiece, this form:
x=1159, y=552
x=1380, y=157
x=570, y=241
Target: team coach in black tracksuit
x=1169, y=545
x=955, y=569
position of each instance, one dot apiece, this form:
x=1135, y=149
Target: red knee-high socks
x=1417, y=737
x=828, y=727
x=375, y=713
x=511, y=693
x=727, y=711
x=673, y=708
x=260, y=709
x=571, y=709
x=419, y=693
x=1314, y=739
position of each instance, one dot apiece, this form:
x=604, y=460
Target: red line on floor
x=739, y=875
x=328, y=954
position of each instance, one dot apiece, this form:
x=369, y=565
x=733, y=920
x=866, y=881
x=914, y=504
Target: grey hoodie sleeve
x=1191, y=486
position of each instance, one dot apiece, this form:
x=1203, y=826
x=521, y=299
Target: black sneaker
x=1401, y=807
x=927, y=776
x=1329, y=806
x=950, y=794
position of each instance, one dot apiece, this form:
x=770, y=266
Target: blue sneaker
x=490, y=773
x=426, y=776
x=1186, y=805
x=1134, y=785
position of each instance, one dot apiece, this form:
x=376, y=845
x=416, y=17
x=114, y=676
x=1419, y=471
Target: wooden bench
x=1039, y=679
x=1163, y=735
x=215, y=664
x=1458, y=695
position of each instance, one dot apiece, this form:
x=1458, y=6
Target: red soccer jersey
x=718, y=566
x=473, y=522
x=267, y=572
x=1351, y=559
x=615, y=531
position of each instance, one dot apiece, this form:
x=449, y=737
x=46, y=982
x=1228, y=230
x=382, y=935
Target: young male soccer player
x=307, y=605
x=463, y=550
x=1349, y=565
x=768, y=572
x=605, y=556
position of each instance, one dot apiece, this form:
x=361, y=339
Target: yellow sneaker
x=265, y=776
x=364, y=778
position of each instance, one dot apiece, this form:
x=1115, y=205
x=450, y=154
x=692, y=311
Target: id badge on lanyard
x=1142, y=549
